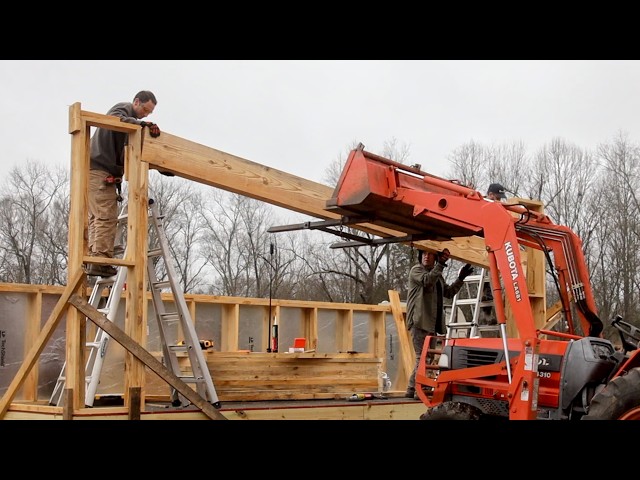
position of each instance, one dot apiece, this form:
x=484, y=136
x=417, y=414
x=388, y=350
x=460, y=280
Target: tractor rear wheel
x=619, y=400
x=452, y=411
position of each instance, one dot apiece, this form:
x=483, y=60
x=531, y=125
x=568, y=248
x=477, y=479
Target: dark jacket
x=424, y=309
x=107, y=146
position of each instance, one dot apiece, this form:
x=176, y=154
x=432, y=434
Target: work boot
x=109, y=271
x=410, y=393
x=101, y=270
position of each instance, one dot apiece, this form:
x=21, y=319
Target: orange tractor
x=568, y=373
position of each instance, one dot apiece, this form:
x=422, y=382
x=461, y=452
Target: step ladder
x=158, y=251
x=479, y=316
x=96, y=350
x=199, y=375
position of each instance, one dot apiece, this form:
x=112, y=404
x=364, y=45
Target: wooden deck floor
x=389, y=408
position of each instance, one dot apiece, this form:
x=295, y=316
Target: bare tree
x=253, y=217
x=605, y=279
x=54, y=242
x=226, y=243
x=8, y=261
x=565, y=175
x=619, y=202
x=507, y=165
x=477, y=166
x=181, y=203
x=468, y=163
x=284, y=265
x=24, y=221
x=356, y=274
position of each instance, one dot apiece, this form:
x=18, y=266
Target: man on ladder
x=107, y=159
x=105, y=178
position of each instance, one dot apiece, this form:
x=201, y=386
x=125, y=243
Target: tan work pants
x=103, y=215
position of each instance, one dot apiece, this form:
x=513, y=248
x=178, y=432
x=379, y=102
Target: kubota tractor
x=567, y=373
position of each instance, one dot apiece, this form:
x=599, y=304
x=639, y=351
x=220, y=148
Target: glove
x=465, y=271
x=154, y=130
x=443, y=256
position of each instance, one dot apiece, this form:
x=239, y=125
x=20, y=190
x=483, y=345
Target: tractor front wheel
x=452, y=411
x=619, y=400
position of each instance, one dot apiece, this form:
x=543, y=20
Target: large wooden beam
x=222, y=170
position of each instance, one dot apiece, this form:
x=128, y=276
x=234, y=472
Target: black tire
x=619, y=400
x=452, y=411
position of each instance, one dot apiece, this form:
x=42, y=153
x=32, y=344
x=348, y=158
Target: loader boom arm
x=406, y=199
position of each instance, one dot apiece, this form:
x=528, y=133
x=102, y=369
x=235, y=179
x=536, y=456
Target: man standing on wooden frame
x=105, y=177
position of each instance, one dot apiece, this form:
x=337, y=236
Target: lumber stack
x=247, y=376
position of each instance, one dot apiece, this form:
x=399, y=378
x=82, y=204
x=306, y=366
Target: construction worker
x=425, y=307
x=105, y=177
x=496, y=192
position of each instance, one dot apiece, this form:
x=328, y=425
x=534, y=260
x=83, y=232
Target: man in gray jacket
x=105, y=176
x=425, y=308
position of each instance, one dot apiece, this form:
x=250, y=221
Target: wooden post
x=376, y=336
x=136, y=257
x=78, y=218
x=229, y=328
x=34, y=315
x=135, y=403
x=310, y=327
x=407, y=352
x=344, y=331
x=67, y=404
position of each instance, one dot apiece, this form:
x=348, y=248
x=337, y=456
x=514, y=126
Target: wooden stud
x=408, y=353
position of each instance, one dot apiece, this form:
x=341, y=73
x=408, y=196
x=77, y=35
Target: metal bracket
x=321, y=225
x=356, y=240
x=374, y=242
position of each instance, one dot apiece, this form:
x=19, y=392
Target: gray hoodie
x=107, y=146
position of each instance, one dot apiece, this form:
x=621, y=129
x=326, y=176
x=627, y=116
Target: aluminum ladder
x=97, y=349
x=158, y=250
x=471, y=294
x=199, y=375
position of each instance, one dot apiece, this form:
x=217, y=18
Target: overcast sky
x=299, y=115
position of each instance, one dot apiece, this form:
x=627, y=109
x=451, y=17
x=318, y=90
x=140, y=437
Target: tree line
x=220, y=243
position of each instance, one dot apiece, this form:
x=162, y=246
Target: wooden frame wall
x=305, y=314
